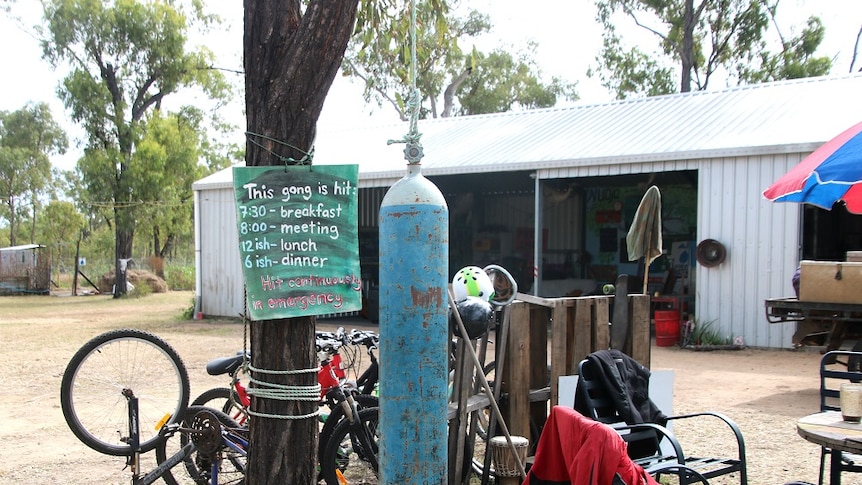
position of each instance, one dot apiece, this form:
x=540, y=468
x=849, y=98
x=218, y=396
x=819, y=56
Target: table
x=828, y=429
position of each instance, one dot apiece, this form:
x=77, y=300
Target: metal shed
x=730, y=144
x=25, y=269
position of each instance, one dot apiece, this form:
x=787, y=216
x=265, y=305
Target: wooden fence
x=568, y=329
x=546, y=339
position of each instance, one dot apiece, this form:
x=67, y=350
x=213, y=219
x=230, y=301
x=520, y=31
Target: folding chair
x=650, y=443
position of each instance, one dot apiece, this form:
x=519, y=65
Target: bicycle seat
x=224, y=365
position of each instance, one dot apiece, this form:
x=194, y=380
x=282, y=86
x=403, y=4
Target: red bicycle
x=346, y=405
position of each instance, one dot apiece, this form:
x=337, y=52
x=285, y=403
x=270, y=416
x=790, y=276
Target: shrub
x=180, y=278
x=189, y=312
x=704, y=333
x=141, y=290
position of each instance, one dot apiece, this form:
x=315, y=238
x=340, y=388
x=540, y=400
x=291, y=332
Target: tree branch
x=449, y=93
x=383, y=94
x=856, y=51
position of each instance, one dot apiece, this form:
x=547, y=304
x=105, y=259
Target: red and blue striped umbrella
x=832, y=173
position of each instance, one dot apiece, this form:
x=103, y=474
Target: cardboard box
x=831, y=281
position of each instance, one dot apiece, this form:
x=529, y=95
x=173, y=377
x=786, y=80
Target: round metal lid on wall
x=710, y=253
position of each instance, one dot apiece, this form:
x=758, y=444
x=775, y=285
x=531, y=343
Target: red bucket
x=666, y=327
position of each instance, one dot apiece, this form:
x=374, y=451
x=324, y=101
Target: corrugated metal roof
x=780, y=117
x=22, y=247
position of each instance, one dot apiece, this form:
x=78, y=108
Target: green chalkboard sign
x=298, y=239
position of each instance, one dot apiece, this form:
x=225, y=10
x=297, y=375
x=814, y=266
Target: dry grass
x=40, y=334
x=765, y=391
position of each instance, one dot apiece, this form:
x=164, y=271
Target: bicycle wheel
x=230, y=464
x=220, y=398
x=353, y=451
x=91, y=392
x=336, y=414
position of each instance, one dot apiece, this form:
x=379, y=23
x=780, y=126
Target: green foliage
x=705, y=333
x=166, y=164
x=499, y=82
x=27, y=137
x=796, y=59
x=189, y=311
x=98, y=248
x=695, y=41
x=380, y=52
x=141, y=290
x=380, y=56
x=59, y=229
x=124, y=58
x=180, y=277
x=631, y=72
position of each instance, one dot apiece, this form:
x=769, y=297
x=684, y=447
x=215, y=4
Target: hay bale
x=136, y=277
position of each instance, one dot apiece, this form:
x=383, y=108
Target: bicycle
x=235, y=400
x=121, y=379
x=338, y=393
x=94, y=397
x=220, y=450
x=366, y=382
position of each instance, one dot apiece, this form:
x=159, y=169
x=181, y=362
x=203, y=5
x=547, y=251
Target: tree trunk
x=33, y=220
x=161, y=252
x=157, y=244
x=687, y=54
x=451, y=89
x=125, y=235
x=12, y=220
x=290, y=61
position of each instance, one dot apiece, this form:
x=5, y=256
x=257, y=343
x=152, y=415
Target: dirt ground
x=764, y=391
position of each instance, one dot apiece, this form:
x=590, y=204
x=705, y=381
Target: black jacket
x=627, y=382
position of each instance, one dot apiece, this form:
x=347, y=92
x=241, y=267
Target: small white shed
x=738, y=141
x=25, y=269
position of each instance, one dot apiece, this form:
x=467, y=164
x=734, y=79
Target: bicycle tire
x=363, y=401
x=346, y=453
x=91, y=389
x=197, y=467
x=220, y=398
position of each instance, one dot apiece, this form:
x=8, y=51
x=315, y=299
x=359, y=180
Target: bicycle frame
x=229, y=439
x=233, y=441
x=134, y=460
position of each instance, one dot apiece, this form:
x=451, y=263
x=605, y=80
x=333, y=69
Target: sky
x=567, y=34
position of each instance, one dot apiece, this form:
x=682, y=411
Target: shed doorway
x=829, y=235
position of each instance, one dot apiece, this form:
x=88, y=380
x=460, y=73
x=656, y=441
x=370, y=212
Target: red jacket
x=579, y=451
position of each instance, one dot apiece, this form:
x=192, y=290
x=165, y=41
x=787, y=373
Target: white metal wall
x=762, y=241
x=220, y=268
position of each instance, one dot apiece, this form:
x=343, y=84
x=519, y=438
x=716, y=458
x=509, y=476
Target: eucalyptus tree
x=503, y=82
x=60, y=226
x=28, y=137
x=450, y=80
x=699, y=40
x=173, y=154
x=124, y=58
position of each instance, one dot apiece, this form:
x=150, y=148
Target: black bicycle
x=126, y=392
